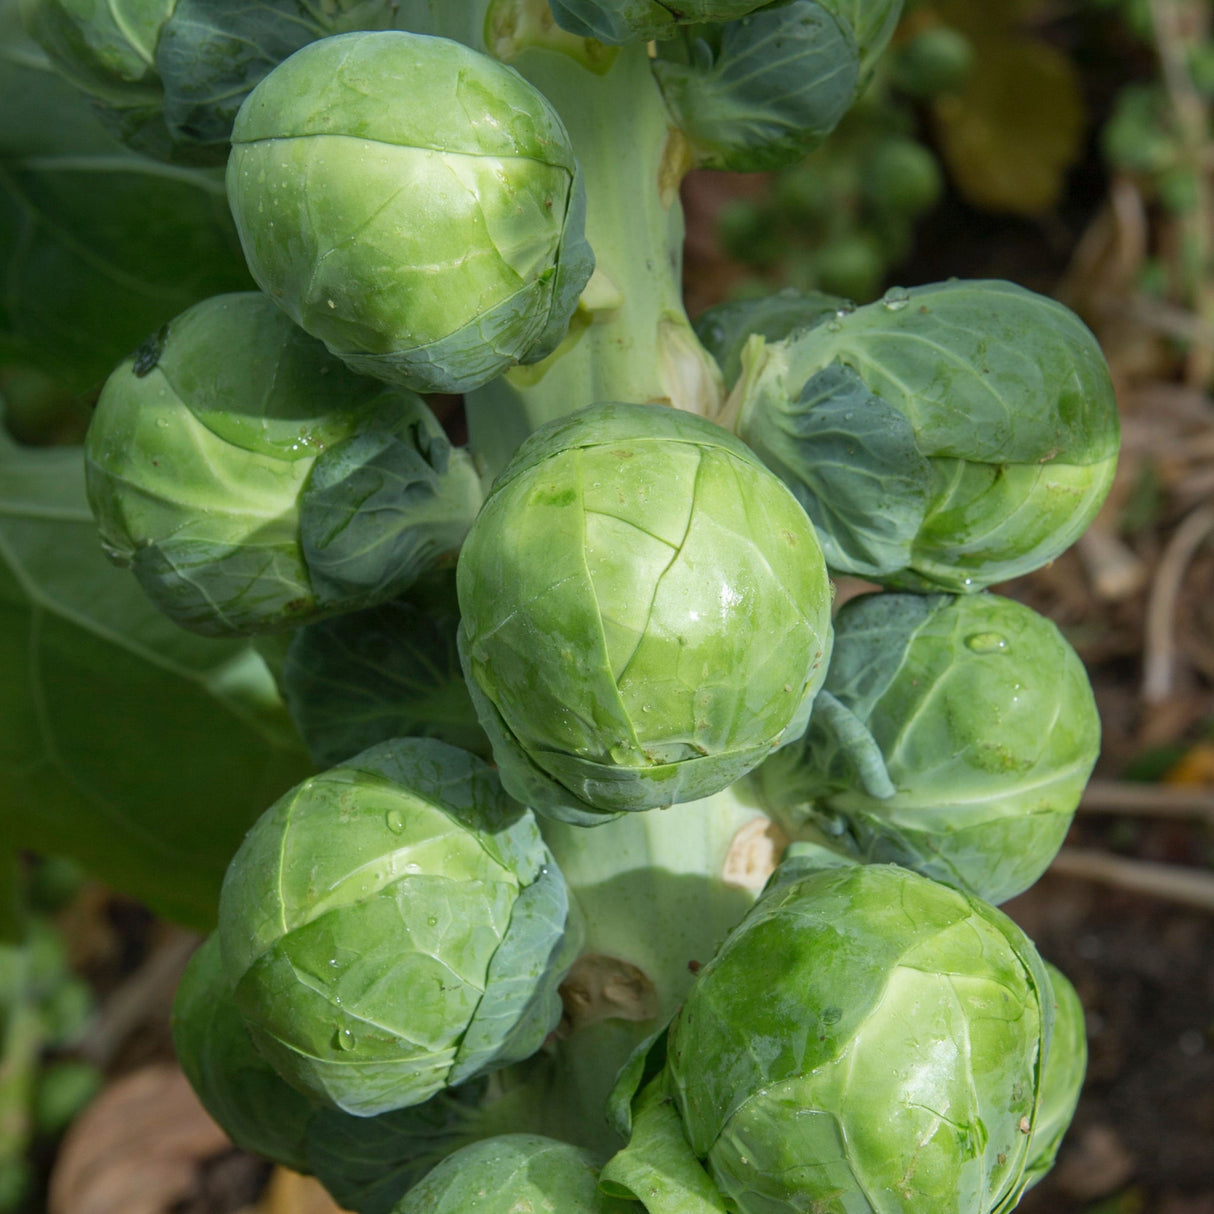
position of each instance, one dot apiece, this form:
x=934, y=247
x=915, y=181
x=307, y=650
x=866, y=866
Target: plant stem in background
x=1196, y=222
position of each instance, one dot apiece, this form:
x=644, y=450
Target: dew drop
x=343, y=1039
x=986, y=642
x=895, y=299
x=395, y=821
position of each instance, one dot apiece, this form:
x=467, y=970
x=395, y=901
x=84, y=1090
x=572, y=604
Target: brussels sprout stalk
x=695, y=868
x=630, y=338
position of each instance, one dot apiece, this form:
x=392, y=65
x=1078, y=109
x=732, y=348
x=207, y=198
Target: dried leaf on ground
x=290, y=1193
x=137, y=1147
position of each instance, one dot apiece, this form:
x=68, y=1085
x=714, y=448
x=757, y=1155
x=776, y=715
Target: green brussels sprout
x=1062, y=1079
x=413, y=204
x=618, y=21
x=271, y=485
x=942, y=438
x=726, y=328
x=937, y=60
x=761, y=92
x=901, y=177
x=257, y=1109
x=510, y=1173
x=645, y=614
x=394, y=926
x=866, y=1040
x=852, y=264
x=984, y=720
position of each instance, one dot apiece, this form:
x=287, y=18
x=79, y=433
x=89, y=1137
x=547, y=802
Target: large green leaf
x=141, y=750
x=99, y=246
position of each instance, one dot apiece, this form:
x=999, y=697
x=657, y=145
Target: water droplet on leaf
x=343, y=1039
x=895, y=299
x=395, y=821
x=986, y=642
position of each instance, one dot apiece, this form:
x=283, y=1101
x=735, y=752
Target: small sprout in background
x=982, y=718
x=760, y=92
x=273, y=485
x=414, y=204
x=933, y=62
x=645, y=613
x=393, y=926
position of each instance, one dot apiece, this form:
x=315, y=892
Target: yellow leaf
x=1194, y=767
x=1009, y=137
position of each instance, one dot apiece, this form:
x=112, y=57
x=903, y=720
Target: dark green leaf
x=852, y=461
x=388, y=672
x=98, y=246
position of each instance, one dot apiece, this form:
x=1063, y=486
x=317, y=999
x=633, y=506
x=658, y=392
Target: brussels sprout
x=935, y=61
x=645, y=613
x=943, y=438
x=272, y=485
x=394, y=926
x=1062, y=1079
x=257, y=1109
x=760, y=92
x=618, y=21
x=888, y=1059
x=901, y=178
x=412, y=203
x=511, y=1173
x=984, y=718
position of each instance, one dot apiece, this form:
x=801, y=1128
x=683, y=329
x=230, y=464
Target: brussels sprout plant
x=624, y=875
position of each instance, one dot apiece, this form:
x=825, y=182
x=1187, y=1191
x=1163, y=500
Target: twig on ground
x=1169, y=882
x=1147, y=800
x=1159, y=646
x=149, y=987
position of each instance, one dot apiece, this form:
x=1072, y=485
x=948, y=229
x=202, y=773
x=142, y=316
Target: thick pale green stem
x=660, y=891
x=630, y=339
